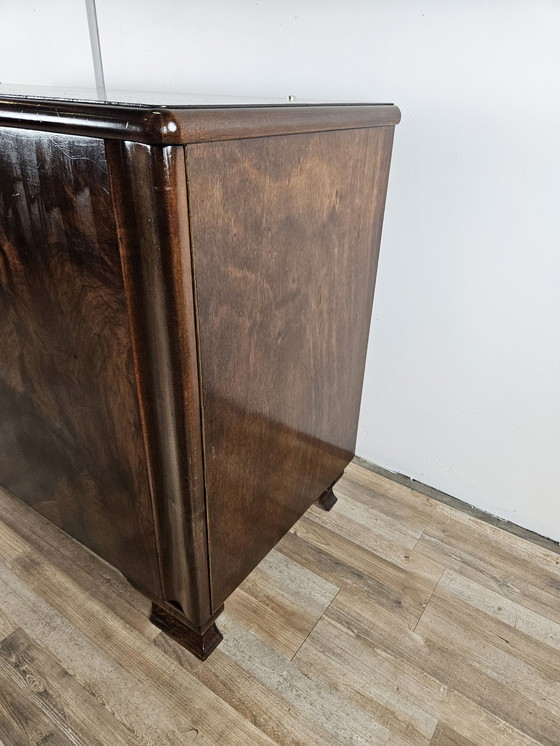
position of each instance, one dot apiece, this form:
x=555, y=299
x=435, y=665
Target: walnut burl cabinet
x=185, y=298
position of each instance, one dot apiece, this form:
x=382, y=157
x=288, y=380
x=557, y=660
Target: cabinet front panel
x=285, y=237
x=70, y=433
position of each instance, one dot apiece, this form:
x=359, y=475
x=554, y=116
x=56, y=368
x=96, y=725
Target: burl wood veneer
x=185, y=296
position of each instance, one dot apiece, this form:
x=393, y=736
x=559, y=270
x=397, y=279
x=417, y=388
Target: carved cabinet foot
x=200, y=642
x=327, y=499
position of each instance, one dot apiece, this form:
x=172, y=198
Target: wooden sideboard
x=185, y=300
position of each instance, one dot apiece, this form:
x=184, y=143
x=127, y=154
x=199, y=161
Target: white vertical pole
x=95, y=49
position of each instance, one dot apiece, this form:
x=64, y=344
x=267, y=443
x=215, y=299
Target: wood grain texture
x=111, y=331
x=138, y=680
x=444, y=736
x=24, y=723
x=509, y=559
x=285, y=236
x=161, y=125
x=34, y=677
x=477, y=666
x=269, y=710
x=149, y=192
x=6, y=626
x=70, y=435
x=281, y=601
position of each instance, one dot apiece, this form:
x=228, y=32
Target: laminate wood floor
x=393, y=619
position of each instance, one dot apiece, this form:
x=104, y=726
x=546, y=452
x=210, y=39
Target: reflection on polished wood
x=285, y=258
x=394, y=619
x=161, y=119
x=70, y=427
x=185, y=297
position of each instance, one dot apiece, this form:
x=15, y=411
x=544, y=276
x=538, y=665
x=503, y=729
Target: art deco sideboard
x=185, y=298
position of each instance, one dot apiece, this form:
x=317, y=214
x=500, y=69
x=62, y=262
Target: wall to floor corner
x=462, y=388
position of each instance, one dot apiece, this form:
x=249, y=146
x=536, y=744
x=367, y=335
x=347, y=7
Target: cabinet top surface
x=178, y=118
x=151, y=99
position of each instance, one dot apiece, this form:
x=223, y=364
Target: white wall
x=462, y=387
x=45, y=43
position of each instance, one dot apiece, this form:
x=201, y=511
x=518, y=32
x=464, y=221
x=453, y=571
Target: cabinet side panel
x=70, y=434
x=285, y=235
x=150, y=198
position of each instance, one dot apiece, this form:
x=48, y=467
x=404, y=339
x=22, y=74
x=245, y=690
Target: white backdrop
x=462, y=387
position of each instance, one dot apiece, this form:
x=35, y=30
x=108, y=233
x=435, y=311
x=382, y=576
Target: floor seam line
x=316, y=623
x=428, y=601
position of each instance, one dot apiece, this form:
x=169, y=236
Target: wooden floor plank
x=133, y=703
x=23, y=723
x=6, y=625
x=314, y=696
x=450, y=667
x=399, y=507
x=330, y=653
x=517, y=548
x=445, y=736
x=35, y=675
x=519, y=570
x=392, y=620
x=282, y=720
x=525, y=688
x=392, y=677
x=281, y=602
x=11, y=542
x=101, y=579
x=194, y=711
x=508, y=616
x=404, y=588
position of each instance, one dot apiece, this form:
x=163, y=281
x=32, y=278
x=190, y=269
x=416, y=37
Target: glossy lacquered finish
x=188, y=122
x=285, y=237
x=150, y=199
x=71, y=442
x=184, y=319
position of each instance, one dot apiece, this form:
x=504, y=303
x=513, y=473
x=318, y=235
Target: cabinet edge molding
x=149, y=194
x=185, y=125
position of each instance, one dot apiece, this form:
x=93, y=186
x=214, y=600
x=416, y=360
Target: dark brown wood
x=201, y=643
x=70, y=430
x=183, y=329
x=149, y=193
x=328, y=499
x=285, y=236
x=177, y=125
